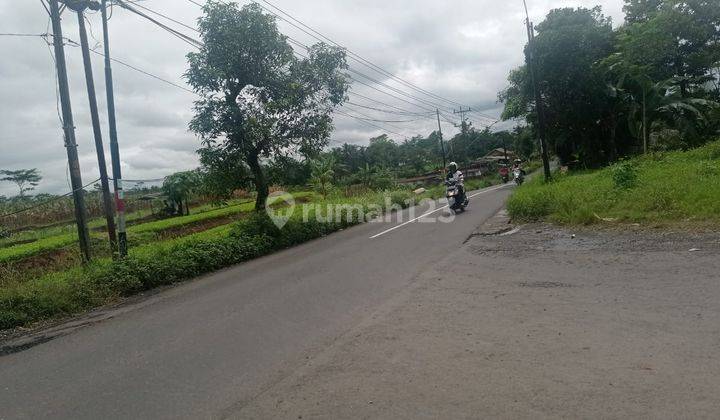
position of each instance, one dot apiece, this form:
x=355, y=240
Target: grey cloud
x=462, y=50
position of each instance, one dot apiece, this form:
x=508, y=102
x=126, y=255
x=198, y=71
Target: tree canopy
x=610, y=92
x=25, y=179
x=259, y=100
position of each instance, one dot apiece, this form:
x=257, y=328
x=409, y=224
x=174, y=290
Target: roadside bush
x=624, y=175
x=401, y=198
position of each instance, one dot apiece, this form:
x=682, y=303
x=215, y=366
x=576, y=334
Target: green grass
x=51, y=243
x=58, y=237
x=48, y=232
x=104, y=280
x=660, y=188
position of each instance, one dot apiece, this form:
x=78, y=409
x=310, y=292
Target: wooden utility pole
x=114, y=148
x=538, y=96
x=69, y=130
x=442, y=145
x=95, y=117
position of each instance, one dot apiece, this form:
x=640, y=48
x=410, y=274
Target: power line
x=22, y=35
x=383, y=121
x=45, y=203
x=301, y=45
x=115, y=60
x=187, y=39
x=372, y=119
x=319, y=36
x=166, y=17
x=370, y=124
x=388, y=111
x=130, y=66
x=357, y=58
x=199, y=44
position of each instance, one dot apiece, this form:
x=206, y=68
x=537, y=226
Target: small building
x=498, y=155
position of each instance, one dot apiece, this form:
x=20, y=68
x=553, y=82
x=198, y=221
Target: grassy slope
x=670, y=188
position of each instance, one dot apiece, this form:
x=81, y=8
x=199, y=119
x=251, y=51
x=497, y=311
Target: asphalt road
x=207, y=348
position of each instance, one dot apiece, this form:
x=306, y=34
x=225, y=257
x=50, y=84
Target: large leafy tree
x=641, y=10
x=383, y=152
x=568, y=44
x=25, y=179
x=673, y=39
x=258, y=99
x=322, y=174
x=178, y=188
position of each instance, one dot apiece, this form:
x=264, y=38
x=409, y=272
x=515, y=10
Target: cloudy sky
x=461, y=50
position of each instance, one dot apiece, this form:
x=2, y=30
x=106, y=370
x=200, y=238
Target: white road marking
x=435, y=211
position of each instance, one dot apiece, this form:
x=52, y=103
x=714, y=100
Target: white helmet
x=453, y=165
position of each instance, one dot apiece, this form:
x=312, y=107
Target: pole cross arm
x=80, y=5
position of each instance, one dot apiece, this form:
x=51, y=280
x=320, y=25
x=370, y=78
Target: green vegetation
x=651, y=84
x=261, y=100
x=25, y=179
x=103, y=280
x=663, y=187
x=50, y=243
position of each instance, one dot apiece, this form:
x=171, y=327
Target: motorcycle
x=518, y=176
x=457, y=200
x=504, y=174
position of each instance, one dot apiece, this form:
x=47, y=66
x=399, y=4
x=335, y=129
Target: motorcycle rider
x=518, y=168
x=454, y=174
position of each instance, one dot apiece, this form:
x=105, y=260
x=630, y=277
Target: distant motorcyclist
x=455, y=175
x=518, y=172
x=518, y=165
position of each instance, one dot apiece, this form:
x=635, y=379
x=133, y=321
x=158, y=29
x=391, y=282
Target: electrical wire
x=370, y=124
x=300, y=44
x=45, y=203
x=187, y=39
x=319, y=36
x=21, y=35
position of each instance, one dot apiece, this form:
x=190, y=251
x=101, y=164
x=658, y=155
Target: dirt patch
x=201, y=226
x=28, y=268
x=19, y=242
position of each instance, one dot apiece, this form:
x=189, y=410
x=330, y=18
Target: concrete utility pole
x=462, y=113
x=69, y=130
x=95, y=116
x=442, y=145
x=114, y=147
x=538, y=96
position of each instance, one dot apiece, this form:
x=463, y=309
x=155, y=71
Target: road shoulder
x=538, y=323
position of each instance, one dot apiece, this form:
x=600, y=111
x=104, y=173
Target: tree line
x=651, y=84
x=265, y=113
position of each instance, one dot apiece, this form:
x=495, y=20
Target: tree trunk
x=261, y=185
x=644, y=124
x=613, y=142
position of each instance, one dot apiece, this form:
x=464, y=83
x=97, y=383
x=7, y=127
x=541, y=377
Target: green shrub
x=624, y=175
x=401, y=198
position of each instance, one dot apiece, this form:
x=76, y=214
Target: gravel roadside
x=535, y=323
